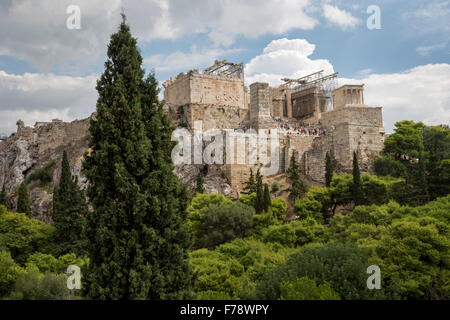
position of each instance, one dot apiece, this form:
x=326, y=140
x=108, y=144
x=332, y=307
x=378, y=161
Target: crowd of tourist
x=292, y=128
x=298, y=128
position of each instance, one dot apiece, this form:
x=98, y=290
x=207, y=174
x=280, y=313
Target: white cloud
x=420, y=94
x=36, y=31
x=42, y=97
x=430, y=18
x=181, y=61
x=343, y=19
x=427, y=50
x=284, y=58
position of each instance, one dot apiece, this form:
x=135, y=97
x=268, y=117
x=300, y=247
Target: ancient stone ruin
x=312, y=117
x=311, y=114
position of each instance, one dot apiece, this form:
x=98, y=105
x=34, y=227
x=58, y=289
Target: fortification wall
x=354, y=114
x=208, y=89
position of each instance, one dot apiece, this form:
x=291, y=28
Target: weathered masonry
x=313, y=116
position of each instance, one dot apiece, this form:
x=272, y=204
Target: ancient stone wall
x=213, y=116
x=31, y=148
x=198, y=88
x=354, y=114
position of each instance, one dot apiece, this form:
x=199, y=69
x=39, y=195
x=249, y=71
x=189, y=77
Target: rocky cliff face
x=31, y=148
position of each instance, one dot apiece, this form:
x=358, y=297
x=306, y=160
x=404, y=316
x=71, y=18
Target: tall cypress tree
x=23, y=202
x=199, y=188
x=69, y=210
x=267, y=201
x=3, y=196
x=138, y=238
x=298, y=188
x=328, y=170
x=259, y=203
x=250, y=185
x=357, y=187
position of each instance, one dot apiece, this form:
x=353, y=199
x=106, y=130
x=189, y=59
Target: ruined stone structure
x=336, y=120
x=219, y=98
x=31, y=148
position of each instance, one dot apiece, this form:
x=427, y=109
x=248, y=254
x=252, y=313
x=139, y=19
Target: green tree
x=436, y=141
x=222, y=223
x=22, y=235
x=406, y=142
x=305, y=289
x=199, y=188
x=69, y=210
x=23, y=202
x=259, y=204
x=328, y=169
x=137, y=231
x=298, y=188
x=356, y=187
x=9, y=272
x=267, y=201
x=250, y=185
x=3, y=196
x=343, y=266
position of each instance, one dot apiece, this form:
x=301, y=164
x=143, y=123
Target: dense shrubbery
x=305, y=289
x=224, y=222
x=233, y=269
x=419, y=155
x=343, y=266
x=43, y=175
x=27, y=268
x=22, y=235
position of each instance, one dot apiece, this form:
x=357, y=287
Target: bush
x=248, y=199
x=262, y=221
x=374, y=190
x=223, y=223
x=195, y=213
x=48, y=263
x=305, y=289
x=276, y=186
x=296, y=233
x=343, y=266
x=308, y=208
x=23, y=236
x=9, y=272
x=388, y=167
x=44, y=174
x=284, y=235
x=214, y=273
x=35, y=286
x=279, y=208
x=213, y=295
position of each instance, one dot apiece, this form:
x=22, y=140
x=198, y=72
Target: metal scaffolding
x=325, y=84
x=225, y=68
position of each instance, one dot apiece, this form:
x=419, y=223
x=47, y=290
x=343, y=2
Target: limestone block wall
x=211, y=89
x=178, y=91
x=354, y=114
x=213, y=116
x=195, y=87
x=259, y=99
x=260, y=106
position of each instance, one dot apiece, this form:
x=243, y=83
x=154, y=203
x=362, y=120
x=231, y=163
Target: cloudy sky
x=49, y=71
